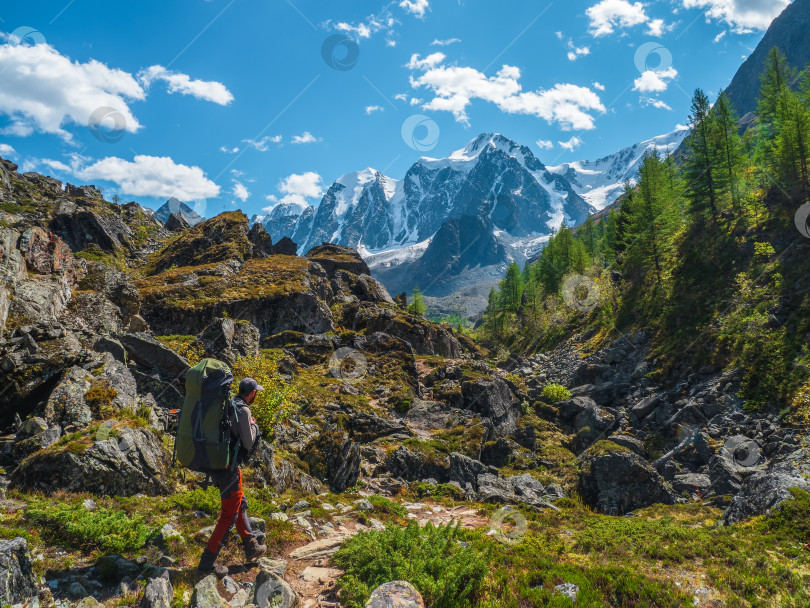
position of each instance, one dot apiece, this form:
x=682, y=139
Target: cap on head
x=248, y=385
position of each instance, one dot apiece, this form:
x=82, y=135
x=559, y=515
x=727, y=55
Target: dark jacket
x=243, y=427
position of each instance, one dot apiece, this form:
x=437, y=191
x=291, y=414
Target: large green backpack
x=203, y=442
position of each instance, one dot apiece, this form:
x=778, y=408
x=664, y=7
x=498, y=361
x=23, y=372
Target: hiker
x=229, y=483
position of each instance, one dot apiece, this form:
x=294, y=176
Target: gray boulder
x=158, y=593
x=271, y=591
x=616, y=480
x=228, y=339
x=766, y=489
x=17, y=582
x=151, y=354
x=205, y=594
x=119, y=460
x=492, y=399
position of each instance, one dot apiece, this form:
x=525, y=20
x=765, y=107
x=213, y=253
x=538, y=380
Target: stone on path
x=396, y=594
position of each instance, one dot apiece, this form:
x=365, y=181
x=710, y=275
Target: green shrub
x=207, y=500
x=444, y=569
x=792, y=517
x=384, y=505
x=402, y=406
x=111, y=530
x=555, y=393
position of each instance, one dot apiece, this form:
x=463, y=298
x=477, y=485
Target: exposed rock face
x=764, y=490
x=492, y=399
x=424, y=337
x=177, y=223
x=285, y=246
x=227, y=339
x=334, y=457
x=17, y=582
x=335, y=257
x=787, y=33
x=125, y=462
x=262, y=243
x=617, y=481
x=277, y=473
x=414, y=466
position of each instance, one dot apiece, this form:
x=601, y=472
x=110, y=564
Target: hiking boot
x=253, y=550
x=208, y=565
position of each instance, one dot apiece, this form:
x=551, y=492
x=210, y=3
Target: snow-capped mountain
x=600, y=182
x=491, y=177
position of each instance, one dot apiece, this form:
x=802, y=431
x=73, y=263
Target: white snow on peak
x=600, y=182
x=290, y=207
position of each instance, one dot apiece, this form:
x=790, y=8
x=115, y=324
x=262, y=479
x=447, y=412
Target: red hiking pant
x=234, y=508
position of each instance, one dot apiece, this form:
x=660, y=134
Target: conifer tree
x=732, y=153
x=701, y=159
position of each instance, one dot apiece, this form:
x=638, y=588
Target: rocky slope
x=788, y=33
x=104, y=310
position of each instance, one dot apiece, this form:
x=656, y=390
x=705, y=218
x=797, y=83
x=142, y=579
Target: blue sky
x=241, y=103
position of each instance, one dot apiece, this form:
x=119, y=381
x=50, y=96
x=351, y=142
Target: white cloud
x=656, y=103
x=239, y=191
x=372, y=109
x=658, y=27
x=719, y=36
x=445, y=42
x=545, y=144
x=157, y=176
x=401, y=97
x=182, y=83
x=305, y=138
x=654, y=81
x=297, y=188
x=742, y=15
x=598, y=86
x=432, y=60
x=415, y=7
x=360, y=31
x=227, y=150
x=44, y=91
x=306, y=184
x=415, y=101
x=607, y=15
x=6, y=151
x=576, y=51
x=572, y=144
x=559, y=35
x=263, y=144
x=455, y=87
